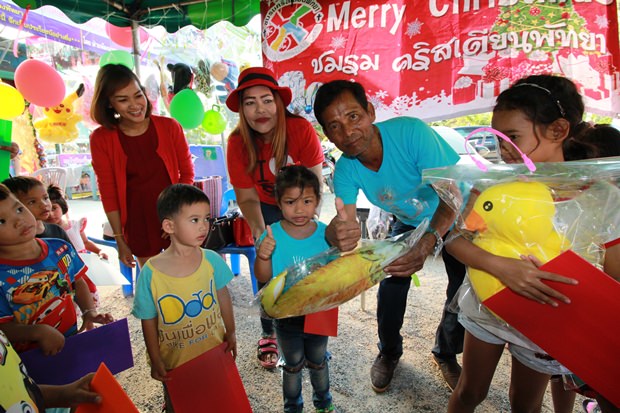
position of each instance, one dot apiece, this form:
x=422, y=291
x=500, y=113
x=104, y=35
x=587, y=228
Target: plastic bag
x=512, y=212
x=332, y=278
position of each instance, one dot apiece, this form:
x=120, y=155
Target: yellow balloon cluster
x=59, y=123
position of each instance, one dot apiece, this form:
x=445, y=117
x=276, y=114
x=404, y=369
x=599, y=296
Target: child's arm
x=72, y=394
x=226, y=308
x=84, y=300
x=50, y=340
x=151, y=339
x=92, y=247
x=521, y=276
x=262, y=266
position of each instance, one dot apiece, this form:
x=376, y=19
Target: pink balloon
x=39, y=83
x=122, y=35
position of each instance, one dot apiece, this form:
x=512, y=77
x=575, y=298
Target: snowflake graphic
x=414, y=28
x=602, y=22
x=338, y=42
x=382, y=94
x=376, y=101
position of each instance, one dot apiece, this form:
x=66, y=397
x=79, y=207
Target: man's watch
x=438, y=239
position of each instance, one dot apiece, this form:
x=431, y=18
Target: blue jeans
x=298, y=349
x=392, y=303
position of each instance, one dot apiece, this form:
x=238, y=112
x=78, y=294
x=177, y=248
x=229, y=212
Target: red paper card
x=323, y=323
x=208, y=383
x=113, y=397
x=583, y=335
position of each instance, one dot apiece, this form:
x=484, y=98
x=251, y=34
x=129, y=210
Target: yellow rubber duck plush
x=59, y=123
x=513, y=219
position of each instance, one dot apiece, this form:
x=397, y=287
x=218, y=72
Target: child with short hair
x=181, y=274
x=39, y=280
x=32, y=193
x=291, y=240
x=74, y=228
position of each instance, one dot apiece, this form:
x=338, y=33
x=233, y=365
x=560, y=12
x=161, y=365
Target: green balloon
x=117, y=57
x=214, y=122
x=186, y=107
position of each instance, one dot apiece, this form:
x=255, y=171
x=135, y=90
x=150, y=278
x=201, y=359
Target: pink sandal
x=267, y=348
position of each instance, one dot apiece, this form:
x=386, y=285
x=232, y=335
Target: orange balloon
x=219, y=71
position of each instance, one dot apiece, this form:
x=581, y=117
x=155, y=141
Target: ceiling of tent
x=172, y=15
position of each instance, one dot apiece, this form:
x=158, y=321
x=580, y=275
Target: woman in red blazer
x=135, y=156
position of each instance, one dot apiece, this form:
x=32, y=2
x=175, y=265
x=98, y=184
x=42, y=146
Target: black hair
x=296, y=176
x=182, y=76
x=111, y=78
x=22, y=184
x=4, y=192
x=603, y=141
x=175, y=197
x=57, y=196
x=328, y=92
x=544, y=99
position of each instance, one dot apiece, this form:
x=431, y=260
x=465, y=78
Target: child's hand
x=90, y=317
x=79, y=392
x=524, y=278
x=231, y=343
x=102, y=255
x=50, y=340
x=158, y=371
x=267, y=245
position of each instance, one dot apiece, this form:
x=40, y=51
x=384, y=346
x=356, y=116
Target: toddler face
x=55, y=216
x=37, y=201
x=17, y=224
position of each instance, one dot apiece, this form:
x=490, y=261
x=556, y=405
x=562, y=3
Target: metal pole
x=135, y=40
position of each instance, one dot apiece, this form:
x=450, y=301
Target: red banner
x=437, y=59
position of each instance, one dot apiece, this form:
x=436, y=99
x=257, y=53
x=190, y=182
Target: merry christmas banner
x=436, y=59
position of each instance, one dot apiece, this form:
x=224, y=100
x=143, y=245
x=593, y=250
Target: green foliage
x=482, y=119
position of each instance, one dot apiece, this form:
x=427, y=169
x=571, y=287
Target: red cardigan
x=110, y=162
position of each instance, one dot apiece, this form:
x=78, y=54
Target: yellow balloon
x=11, y=102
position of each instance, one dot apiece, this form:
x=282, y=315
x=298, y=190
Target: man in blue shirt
x=385, y=160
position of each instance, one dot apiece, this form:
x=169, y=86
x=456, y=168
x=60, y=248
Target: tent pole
x=135, y=41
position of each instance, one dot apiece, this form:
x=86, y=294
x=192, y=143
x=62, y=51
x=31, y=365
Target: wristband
x=439, y=239
x=117, y=235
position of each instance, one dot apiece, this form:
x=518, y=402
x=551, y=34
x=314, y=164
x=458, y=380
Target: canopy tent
x=172, y=15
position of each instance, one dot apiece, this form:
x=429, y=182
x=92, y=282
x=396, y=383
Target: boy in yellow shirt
x=181, y=296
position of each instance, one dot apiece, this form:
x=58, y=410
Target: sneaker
x=326, y=409
x=381, y=372
x=450, y=370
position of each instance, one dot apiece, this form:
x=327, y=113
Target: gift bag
x=242, y=232
x=212, y=186
x=220, y=233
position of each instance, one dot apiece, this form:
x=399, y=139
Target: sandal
x=267, y=352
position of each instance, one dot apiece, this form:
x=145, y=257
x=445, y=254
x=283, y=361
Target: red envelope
x=323, y=323
x=209, y=383
x=584, y=335
x=113, y=397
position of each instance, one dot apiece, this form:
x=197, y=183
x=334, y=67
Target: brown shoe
x=450, y=370
x=381, y=372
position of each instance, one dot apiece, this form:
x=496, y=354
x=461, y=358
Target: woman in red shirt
x=135, y=156
x=267, y=138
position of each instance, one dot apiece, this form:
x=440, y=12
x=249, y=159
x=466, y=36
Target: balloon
x=122, y=35
x=117, y=57
x=59, y=124
x=186, y=107
x=11, y=102
x=219, y=71
x=39, y=83
x=213, y=121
